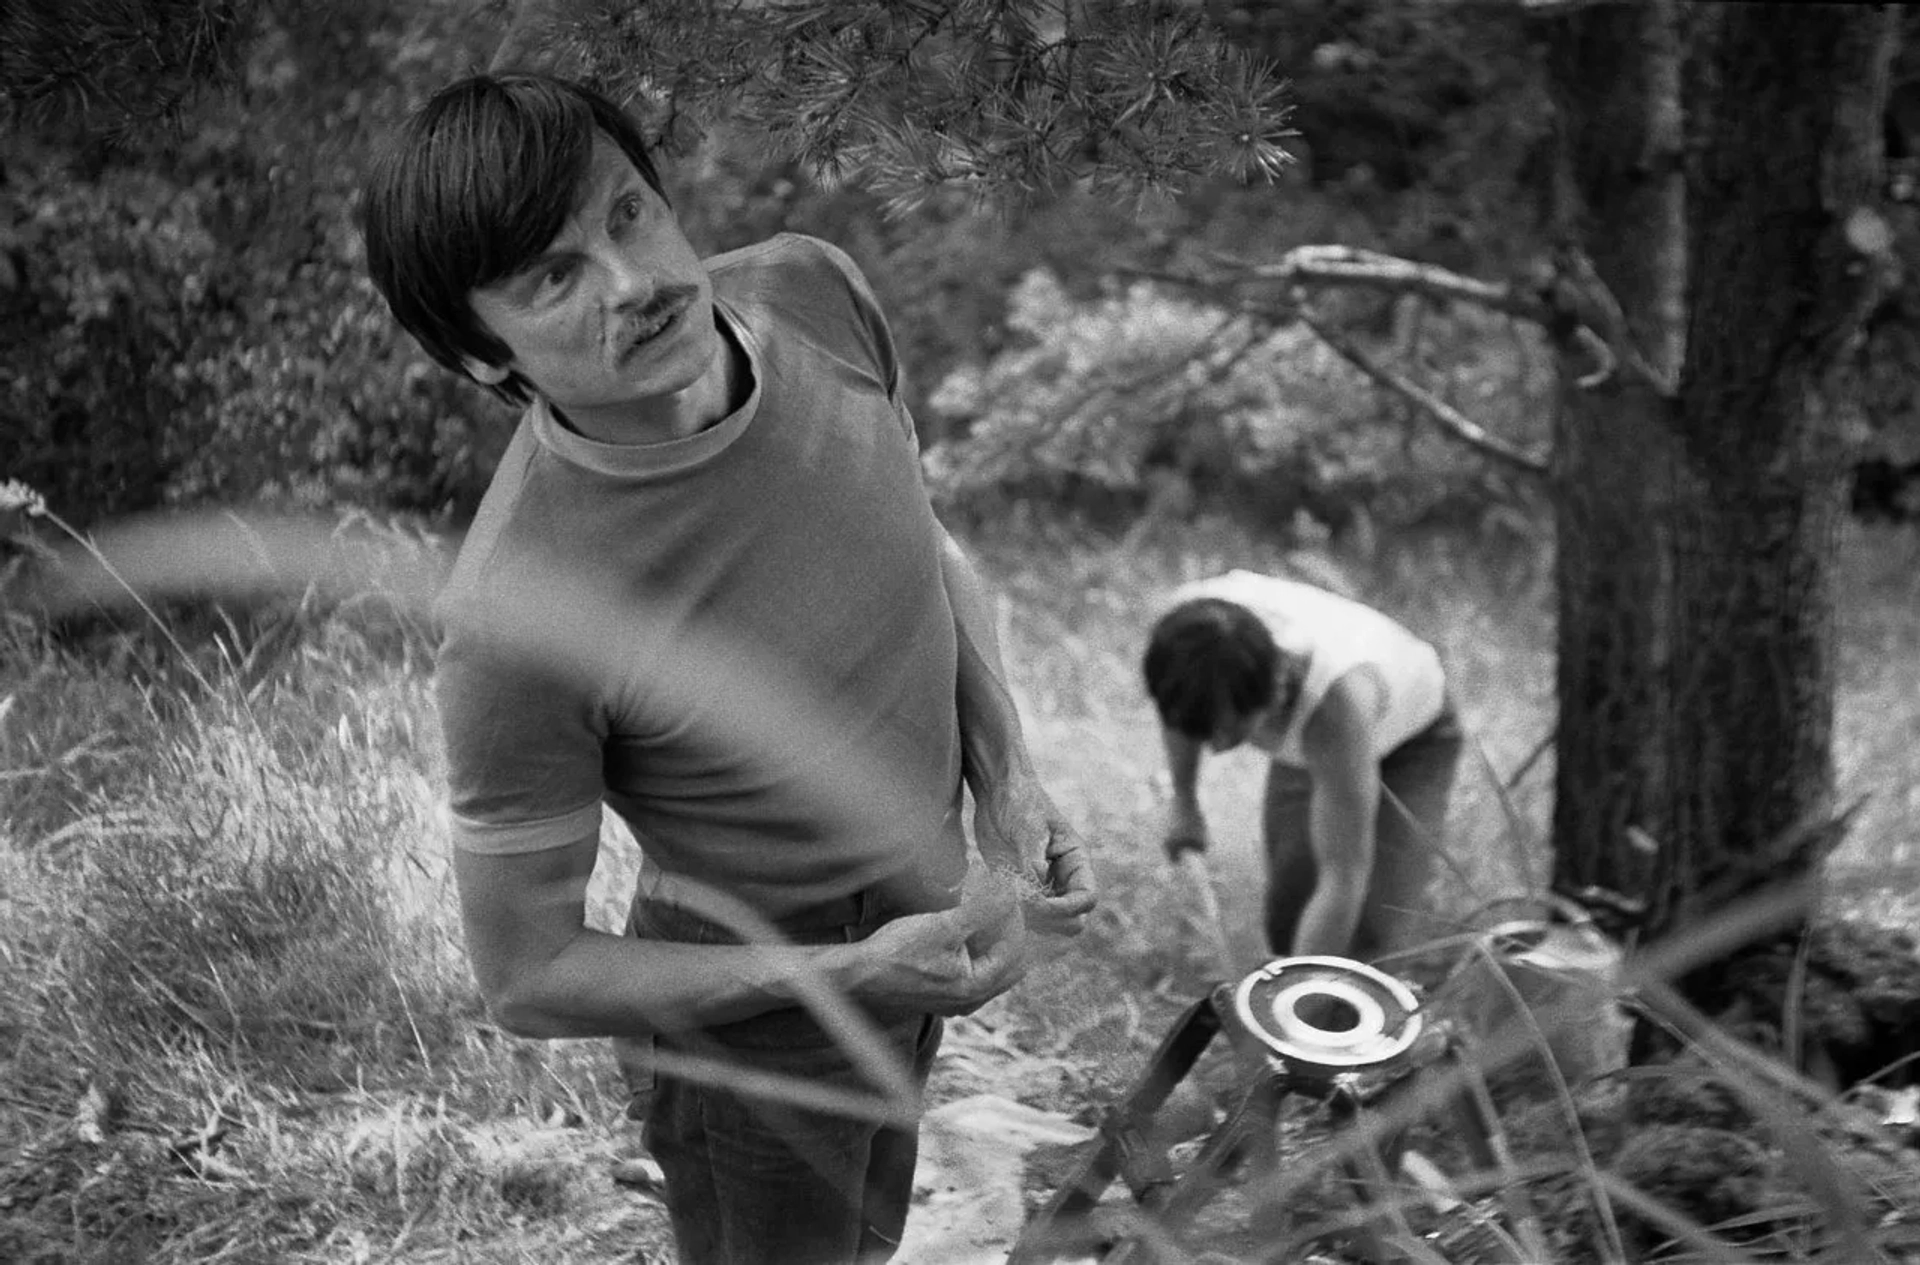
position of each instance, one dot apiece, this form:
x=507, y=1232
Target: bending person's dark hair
x=1206, y=661
x=472, y=188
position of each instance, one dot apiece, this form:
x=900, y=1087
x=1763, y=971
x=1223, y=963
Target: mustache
x=662, y=302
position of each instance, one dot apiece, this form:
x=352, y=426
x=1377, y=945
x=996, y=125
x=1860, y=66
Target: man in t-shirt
x=1352, y=710
x=706, y=590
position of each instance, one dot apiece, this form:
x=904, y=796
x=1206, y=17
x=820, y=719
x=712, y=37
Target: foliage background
x=193, y=874
x=188, y=323
x=186, y=315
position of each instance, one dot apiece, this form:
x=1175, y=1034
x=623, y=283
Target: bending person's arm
x=1015, y=821
x=1345, y=770
x=1186, y=825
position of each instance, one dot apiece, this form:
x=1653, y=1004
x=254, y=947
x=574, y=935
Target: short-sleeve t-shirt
x=738, y=640
x=1335, y=635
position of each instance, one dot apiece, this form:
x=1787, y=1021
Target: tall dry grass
x=236, y=1022
x=236, y=1025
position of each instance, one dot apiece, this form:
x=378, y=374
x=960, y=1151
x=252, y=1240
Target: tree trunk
x=1698, y=534
x=1618, y=197
x=1787, y=119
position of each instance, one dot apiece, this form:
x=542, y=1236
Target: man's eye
x=557, y=275
x=629, y=208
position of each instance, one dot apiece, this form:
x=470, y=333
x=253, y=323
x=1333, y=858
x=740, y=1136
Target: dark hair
x=1209, y=660
x=474, y=185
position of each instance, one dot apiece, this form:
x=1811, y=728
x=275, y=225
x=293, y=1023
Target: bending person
x=1352, y=710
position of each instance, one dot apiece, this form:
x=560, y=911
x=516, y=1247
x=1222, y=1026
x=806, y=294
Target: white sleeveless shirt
x=1335, y=635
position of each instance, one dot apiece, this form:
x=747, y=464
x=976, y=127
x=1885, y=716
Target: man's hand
x=1019, y=830
x=951, y=962
x=1071, y=889
x=1186, y=829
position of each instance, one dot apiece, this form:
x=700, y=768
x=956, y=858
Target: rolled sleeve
x=503, y=838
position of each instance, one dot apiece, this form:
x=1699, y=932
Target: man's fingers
x=1070, y=888
x=1071, y=896
x=1060, y=915
x=1069, y=869
x=1072, y=903
x=999, y=963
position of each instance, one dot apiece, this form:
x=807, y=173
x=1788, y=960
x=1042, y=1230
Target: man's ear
x=487, y=375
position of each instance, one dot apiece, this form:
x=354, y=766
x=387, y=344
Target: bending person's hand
x=1186, y=830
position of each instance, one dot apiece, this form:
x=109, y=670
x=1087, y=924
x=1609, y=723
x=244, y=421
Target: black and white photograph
x=959, y=632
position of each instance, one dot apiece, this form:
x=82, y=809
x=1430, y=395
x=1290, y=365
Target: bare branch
x=1607, y=363
x=1223, y=347
x=1525, y=8
x=1581, y=296
x=1554, y=8
x=1575, y=300
x=1366, y=269
x=1451, y=419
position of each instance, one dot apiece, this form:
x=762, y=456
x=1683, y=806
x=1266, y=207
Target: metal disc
x=1328, y=1014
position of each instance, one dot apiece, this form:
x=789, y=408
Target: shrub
x=1138, y=390
x=190, y=321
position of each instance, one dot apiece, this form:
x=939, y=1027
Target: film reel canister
x=1328, y=1015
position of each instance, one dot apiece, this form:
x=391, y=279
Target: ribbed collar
x=667, y=457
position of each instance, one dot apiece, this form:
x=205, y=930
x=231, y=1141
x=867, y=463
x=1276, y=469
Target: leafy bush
x=314, y=398
x=1139, y=394
x=190, y=321
x=108, y=277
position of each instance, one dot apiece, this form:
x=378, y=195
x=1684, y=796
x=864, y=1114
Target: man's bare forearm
x=1015, y=821
x=1340, y=823
x=607, y=985
x=1183, y=766
x=993, y=748
x=545, y=973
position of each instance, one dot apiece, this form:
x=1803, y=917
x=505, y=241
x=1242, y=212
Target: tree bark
x=1787, y=119
x=1617, y=201
x=1698, y=532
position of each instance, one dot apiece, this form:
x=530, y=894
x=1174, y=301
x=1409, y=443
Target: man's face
x=616, y=314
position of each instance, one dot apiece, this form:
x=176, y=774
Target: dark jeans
x=753, y=1180
x=1416, y=780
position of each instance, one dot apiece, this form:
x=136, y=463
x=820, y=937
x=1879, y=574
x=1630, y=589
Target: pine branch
x=116, y=68
x=1021, y=96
